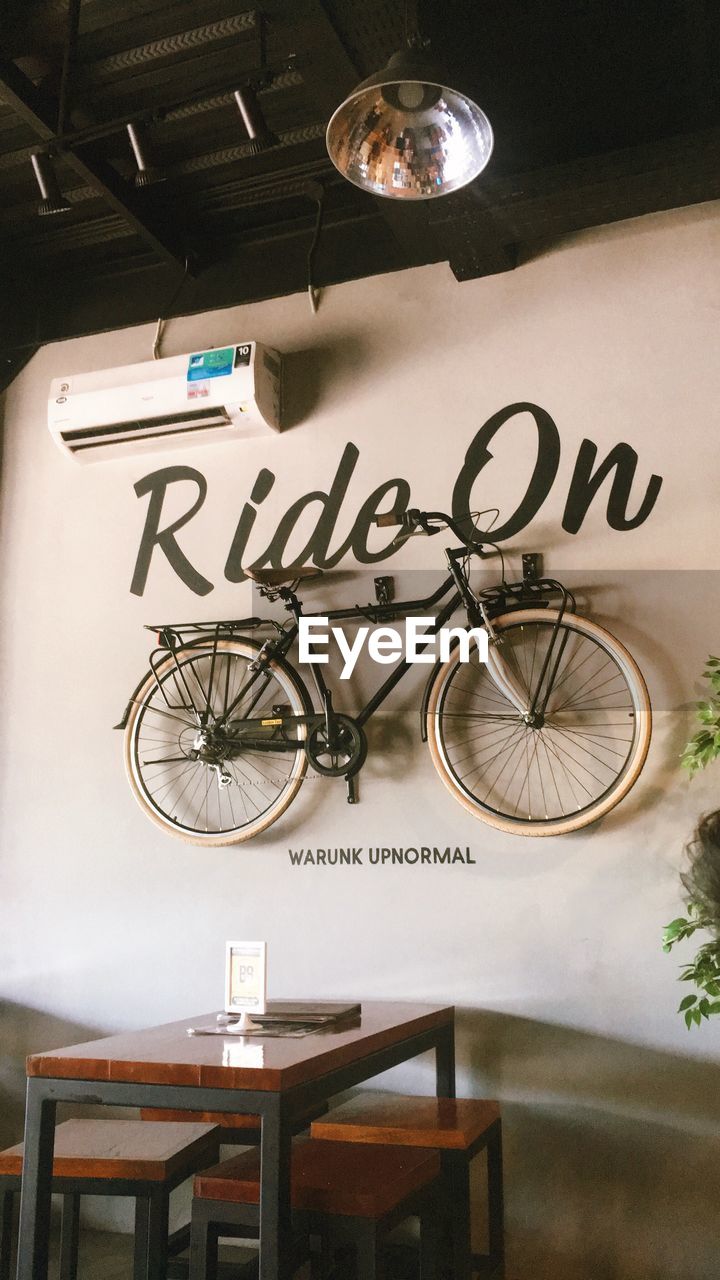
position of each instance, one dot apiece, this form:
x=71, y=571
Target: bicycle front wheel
x=576, y=762
x=193, y=780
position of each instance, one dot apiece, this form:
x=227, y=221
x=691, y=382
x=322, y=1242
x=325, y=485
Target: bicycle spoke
x=195, y=776
x=557, y=765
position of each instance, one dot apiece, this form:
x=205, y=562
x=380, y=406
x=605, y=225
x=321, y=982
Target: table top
x=168, y=1055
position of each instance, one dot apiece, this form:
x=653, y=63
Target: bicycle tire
x=294, y=693
x=639, y=714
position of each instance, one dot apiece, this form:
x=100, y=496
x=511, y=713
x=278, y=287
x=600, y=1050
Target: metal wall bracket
x=532, y=566
x=385, y=590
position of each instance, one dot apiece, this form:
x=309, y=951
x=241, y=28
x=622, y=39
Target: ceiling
x=602, y=110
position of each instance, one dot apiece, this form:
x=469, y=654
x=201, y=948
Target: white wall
x=549, y=948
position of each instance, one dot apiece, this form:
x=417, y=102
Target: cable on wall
x=316, y=192
x=160, y=327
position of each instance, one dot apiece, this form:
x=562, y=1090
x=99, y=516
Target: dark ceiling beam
x=355, y=246
x=40, y=112
x=550, y=203
x=474, y=245
x=536, y=207
x=330, y=75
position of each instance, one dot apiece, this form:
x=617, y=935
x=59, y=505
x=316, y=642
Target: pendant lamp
x=404, y=133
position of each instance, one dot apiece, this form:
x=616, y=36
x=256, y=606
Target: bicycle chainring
x=342, y=757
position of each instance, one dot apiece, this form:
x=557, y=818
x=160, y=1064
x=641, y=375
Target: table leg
x=445, y=1063
x=36, y=1184
x=275, y=1227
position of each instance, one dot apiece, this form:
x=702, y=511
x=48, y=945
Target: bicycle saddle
x=282, y=577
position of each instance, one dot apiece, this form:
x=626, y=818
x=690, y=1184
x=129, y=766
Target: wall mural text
x=619, y=467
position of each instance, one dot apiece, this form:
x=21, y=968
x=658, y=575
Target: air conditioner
x=226, y=393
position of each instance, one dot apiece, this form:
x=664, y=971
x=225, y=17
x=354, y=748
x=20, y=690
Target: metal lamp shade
x=404, y=134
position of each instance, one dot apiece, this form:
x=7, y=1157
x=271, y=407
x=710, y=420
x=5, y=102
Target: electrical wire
x=318, y=194
x=160, y=326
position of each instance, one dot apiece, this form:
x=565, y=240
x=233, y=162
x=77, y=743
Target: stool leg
x=429, y=1240
x=6, y=1218
x=157, y=1253
x=457, y=1175
x=69, y=1235
x=203, y=1246
x=496, y=1227
x=319, y=1262
x=142, y=1231
x=370, y=1262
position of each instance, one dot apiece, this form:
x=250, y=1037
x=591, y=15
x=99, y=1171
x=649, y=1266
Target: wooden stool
x=114, y=1158
x=235, y=1131
x=345, y=1194
x=458, y=1129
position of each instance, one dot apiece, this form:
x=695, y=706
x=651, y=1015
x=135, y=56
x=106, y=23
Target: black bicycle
x=545, y=737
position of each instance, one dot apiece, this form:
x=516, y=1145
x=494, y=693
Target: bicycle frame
x=230, y=695
x=453, y=592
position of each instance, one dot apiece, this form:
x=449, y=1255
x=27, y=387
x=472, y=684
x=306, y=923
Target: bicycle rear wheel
x=568, y=770
x=191, y=797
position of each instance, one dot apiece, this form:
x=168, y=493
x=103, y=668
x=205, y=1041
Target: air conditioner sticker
x=211, y=364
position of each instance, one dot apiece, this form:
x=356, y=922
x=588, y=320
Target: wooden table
x=164, y=1067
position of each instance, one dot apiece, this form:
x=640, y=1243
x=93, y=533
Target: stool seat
x=451, y=1124
x=329, y=1178
x=115, y=1158
x=127, y=1149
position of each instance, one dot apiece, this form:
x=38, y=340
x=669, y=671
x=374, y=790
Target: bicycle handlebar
x=390, y=517
x=415, y=519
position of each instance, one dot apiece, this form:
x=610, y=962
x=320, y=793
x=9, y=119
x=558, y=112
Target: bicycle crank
x=341, y=754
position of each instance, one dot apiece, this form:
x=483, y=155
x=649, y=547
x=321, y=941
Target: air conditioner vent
x=164, y=425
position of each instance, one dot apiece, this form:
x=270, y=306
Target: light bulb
x=410, y=94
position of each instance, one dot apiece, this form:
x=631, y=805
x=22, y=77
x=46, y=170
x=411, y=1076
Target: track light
x=147, y=172
x=403, y=133
x=53, y=200
x=259, y=135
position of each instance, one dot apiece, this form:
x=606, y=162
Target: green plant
x=703, y=880
x=704, y=745
x=703, y=970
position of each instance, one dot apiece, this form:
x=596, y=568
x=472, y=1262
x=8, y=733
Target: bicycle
x=546, y=737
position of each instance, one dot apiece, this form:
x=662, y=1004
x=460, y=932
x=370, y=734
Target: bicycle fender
x=122, y=723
